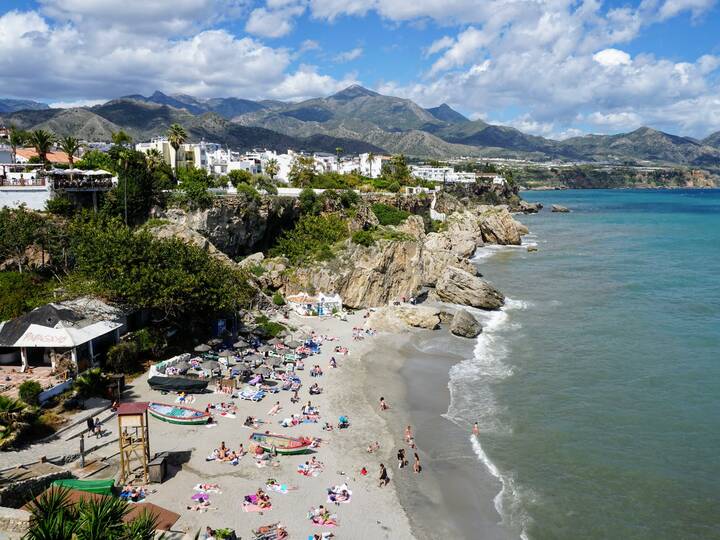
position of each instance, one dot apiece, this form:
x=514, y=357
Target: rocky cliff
x=437, y=262
x=238, y=225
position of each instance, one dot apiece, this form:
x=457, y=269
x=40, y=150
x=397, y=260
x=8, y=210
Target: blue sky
x=550, y=67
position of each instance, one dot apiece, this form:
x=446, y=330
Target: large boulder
x=460, y=287
x=498, y=226
x=465, y=325
x=559, y=208
x=396, y=318
x=529, y=208
x=252, y=260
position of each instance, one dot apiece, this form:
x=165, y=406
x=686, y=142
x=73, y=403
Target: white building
x=315, y=305
x=442, y=174
x=187, y=155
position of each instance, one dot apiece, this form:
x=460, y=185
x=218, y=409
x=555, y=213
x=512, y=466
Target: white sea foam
x=472, y=398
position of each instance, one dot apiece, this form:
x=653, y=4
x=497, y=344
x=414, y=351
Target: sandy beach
x=373, y=512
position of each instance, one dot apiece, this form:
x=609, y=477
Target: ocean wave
x=472, y=398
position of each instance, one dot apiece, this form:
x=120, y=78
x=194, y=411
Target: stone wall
x=17, y=493
x=14, y=522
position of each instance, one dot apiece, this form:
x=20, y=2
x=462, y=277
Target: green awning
x=101, y=487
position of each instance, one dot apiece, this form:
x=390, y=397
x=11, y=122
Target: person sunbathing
x=328, y=427
x=208, y=487
x=373, y=447
x=202, y=506
x=275, y=409
x=315, y=389
x=251, y=422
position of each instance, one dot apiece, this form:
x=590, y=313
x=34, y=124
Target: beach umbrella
x=293, y=344
x=265, y=348
x=274, y=362
x=226, y=354
x=262, y=370
x=273, y=341
x=241, y=344
x=215, y=341
x=212, y=365
x=202, y=348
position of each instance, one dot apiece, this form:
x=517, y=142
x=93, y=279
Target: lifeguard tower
x=134, y=438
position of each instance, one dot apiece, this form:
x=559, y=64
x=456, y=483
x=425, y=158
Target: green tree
x=309, y=203
x=16, y=139
x=266, y=184
x=370, y=159
x=20, y=293
x=123, y=357
x=29, y=392
x=176, y=137
x=302, y=172
x=53, y=516
x=92, y=383
x=240, y=176
x=19, y=229
x=272, y=168
x=338, y=152
x=311, y=239
x=70, y=145
x=120, y=138
x=42, y=140
x=178, y=282
x=60, y=205
x=97, y=160
x=15, y=419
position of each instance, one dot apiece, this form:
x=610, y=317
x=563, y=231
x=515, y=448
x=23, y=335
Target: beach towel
x=200, y=497
x=199, y=487
x=254, y=508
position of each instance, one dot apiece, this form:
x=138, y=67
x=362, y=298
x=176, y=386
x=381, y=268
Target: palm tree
x=272, y=168
x=121, y=138
x=176, y=136
x=42, y=141
x=370, y=158
x=70, y=145
x=15, y=418
x=154, y=158
x=53, y=516
x=16, y=139
x=91, y=383
x=338, y=152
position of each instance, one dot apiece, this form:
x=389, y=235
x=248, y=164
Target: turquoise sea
x=597, y=390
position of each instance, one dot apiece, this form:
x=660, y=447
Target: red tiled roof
x=53, y=157
x=134, y=407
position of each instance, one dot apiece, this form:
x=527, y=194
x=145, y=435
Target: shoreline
x=454, y=483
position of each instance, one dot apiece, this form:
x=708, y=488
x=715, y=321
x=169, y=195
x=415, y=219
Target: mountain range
x=355, y=119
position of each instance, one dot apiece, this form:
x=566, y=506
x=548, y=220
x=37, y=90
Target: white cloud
x=348, y=56
x=76, y=103
x=616, y=120
x=60, y=63
x=612, y=58
x=438, y=45
x=670, y=8
x=306, y=83
x=273, y=24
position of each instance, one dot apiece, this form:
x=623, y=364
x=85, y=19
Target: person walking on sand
x=416, y=466
x=476, y=430
x=402, y=462
x=383, y=405
x=384, y=478
x=408, y=434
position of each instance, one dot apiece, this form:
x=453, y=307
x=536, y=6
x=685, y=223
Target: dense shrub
x=363, y=238
x=20, y=293
x=349, y=198
x=60, y=205
x=389, y=215
x=278, y=299
x=311, y=239
x=29, y=392
x=123, y=357
x=249, y=191
x=271, y=328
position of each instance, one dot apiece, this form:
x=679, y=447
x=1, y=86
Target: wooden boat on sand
x=282, y=444
x=178, y=414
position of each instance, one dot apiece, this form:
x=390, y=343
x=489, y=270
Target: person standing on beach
x=408, y=434
x=401, y=458
x=383, y=405
x=384, y=478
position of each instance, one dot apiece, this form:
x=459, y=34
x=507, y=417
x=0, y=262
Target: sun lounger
x=251, y=394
